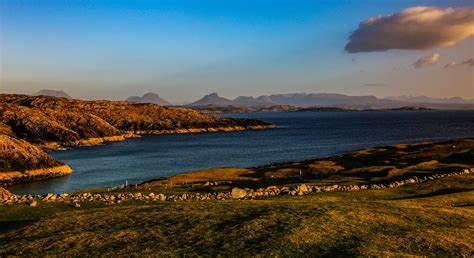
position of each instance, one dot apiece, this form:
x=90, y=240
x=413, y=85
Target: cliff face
x=51, y=122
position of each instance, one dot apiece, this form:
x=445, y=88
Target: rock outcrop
x=21, y=161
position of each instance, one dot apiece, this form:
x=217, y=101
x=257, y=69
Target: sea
x=298, y=136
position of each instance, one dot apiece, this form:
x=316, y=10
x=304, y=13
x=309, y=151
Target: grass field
x=434, y=218
x=431, y=218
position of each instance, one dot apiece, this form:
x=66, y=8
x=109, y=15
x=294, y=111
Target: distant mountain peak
x=149, y=97
x=213, y=99
x=53, y=93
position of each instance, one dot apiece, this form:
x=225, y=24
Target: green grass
x=432, y=218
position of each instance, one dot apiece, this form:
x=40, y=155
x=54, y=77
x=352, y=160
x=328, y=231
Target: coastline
x=138, y=133
x=9, y=178
x=203, y=130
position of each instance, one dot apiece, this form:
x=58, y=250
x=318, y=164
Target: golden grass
x=427, y=165
x=324, y=166
x=415, y=220
x=215, y=174
x=284, y=173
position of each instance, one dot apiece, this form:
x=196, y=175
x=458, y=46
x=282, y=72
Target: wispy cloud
x=427, y=61
x=413, y=28
x=468, y=62
x=375, y=84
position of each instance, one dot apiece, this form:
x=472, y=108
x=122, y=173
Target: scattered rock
x=238, y=193
x=8, y=198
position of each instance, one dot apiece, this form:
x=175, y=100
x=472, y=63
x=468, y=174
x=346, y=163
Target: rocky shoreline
x=14, y=177
x=204, y=130
x=8, y=198
x=134, y=134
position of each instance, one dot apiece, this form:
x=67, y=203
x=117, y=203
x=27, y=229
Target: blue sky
x=185, y=49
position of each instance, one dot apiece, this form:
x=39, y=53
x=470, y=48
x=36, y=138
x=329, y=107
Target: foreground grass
x=432, y=218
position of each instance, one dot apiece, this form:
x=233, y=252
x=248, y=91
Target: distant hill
x=52, y=93
x=424, y=99
x=215, y=100
x=305, y=100
x=148, y=98
x=320, y=99
x=253, y=102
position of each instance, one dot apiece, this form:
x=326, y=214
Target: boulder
x=161, y=197
x=48, y=196
x=33, y=204
x=4, y=193
x=303, y=188
x=238, y=193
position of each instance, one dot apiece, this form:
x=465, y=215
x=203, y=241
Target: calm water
x=299, y=136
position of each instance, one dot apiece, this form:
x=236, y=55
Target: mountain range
x=305, y=100
x=334, y=100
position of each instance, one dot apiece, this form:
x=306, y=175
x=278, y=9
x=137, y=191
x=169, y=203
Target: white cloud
x=427, y=61
x=413, y=28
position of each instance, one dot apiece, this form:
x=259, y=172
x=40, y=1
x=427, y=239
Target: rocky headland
x=29, y=125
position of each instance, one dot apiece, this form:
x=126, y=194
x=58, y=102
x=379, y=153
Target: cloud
x=413, y=28
x=427, y=61
x=375, y=84
x=468, y=62
x=451, y=64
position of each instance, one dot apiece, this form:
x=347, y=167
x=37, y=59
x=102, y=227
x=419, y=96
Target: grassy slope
x=366, y=166
x=432, y=218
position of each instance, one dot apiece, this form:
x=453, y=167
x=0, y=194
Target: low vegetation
x=430, y=218
x=367, y=166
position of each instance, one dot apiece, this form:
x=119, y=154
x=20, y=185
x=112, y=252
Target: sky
x=185, y=49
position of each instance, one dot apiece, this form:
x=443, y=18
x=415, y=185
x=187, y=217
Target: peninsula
x=30, y=125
